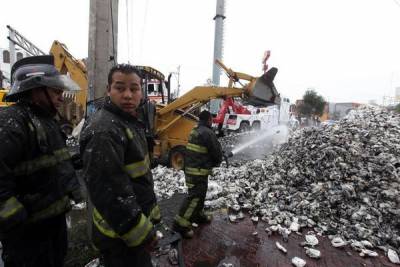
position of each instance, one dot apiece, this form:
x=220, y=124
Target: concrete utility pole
x=218, y=47
x=102, y=54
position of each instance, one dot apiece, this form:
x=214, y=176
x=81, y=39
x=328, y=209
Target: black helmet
x=205, y=116
x=35, y=72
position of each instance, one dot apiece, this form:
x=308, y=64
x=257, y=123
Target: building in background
x=5, y=66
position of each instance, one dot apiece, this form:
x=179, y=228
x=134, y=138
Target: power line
x=397, y=3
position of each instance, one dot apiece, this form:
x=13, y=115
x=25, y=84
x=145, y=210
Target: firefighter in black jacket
x=203, y=152
x=37, y=178
x=117, y=172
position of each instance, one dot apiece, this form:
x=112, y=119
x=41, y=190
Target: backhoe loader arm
x=66, y=63
x=201, y=94
x=234, y=76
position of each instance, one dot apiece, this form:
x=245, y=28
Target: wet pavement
x=225, y=242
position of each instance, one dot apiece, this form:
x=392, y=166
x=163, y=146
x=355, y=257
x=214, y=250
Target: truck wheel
x=244, y=127
x=177, y=157
x=256, y=126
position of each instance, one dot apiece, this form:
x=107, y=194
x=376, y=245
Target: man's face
x=54, y=100
x=125, y=91
x=56, y=97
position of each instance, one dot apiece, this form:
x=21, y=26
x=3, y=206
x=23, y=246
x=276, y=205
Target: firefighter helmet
x=35, y=72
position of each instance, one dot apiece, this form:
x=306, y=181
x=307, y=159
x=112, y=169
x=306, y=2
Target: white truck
x=260, y=117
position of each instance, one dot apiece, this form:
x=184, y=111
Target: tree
x=313, y=104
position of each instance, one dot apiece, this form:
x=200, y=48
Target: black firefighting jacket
x=119, y=181
x=203, y=151
x=36, y=174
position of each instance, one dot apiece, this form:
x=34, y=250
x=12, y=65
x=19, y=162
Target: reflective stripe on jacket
x=133, y=237
x=203, y=151
x=36, y=174
x=118, y=177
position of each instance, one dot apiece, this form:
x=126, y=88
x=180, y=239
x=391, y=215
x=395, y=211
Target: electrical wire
x=396, y=2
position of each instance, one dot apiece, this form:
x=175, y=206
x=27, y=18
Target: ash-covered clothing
x=119, y=181
x=37, y=180
x=203, y=152
x=38, y=249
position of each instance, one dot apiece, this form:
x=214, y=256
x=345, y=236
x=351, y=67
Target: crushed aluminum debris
x=294, y=226
x=280, y=247
x=367, y=252
x=313, y=253
x=298, y=262
x=311, y=240
x=232, y=218
x=338, y=242
x=393, y=257
x=341, y=180
x=168, y=181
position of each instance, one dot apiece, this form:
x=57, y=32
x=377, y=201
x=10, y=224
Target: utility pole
x=102, y=54
x=218, y=49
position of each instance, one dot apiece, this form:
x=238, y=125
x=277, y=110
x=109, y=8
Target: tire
x=176, y=157
x=256, y=126
x=244, y=127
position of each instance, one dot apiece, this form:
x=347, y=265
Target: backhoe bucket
x=264, y=92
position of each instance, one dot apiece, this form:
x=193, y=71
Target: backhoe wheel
x=244, y=127
x=177, y=157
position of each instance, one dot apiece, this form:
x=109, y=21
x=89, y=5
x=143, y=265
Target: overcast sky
x=347, y=50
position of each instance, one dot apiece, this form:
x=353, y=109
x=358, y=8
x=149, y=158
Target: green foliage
x=313, y=104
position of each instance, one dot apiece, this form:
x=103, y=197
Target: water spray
x=271, y=133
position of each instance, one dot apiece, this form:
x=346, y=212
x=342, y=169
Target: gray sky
x=347, y=50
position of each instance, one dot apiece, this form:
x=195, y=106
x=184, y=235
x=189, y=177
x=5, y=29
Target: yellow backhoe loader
x=173, y=122
x=3, y=93
x=168, y=123
x=74, y=106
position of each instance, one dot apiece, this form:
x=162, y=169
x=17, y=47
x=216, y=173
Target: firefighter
x=37, y=178
x=117, y=173
x=203, y=152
